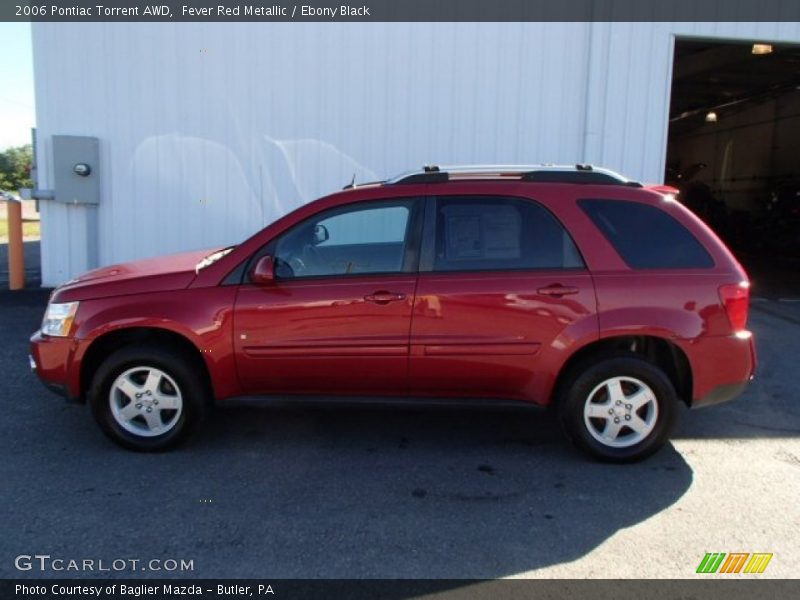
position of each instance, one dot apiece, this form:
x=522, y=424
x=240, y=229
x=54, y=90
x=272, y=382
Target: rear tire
x=147, y=398
x=619, y=409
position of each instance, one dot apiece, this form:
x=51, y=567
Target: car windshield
x=212, y=258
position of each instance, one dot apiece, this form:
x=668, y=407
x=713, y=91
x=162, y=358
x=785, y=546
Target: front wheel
x=147, y=398
x=619, y=409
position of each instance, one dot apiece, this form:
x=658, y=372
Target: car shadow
x=353, y=493
x=324, y=493
x=422, y=494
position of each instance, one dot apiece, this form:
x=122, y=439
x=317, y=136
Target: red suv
x=564, y=286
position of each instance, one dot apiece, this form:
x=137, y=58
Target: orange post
x=16, y=254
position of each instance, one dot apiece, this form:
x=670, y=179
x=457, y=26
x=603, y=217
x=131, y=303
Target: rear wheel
x=619, y=409
x=147, y=398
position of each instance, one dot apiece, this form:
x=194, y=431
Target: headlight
x=58, y=318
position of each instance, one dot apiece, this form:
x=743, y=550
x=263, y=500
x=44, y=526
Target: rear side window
x=480, y=233
x=645, y=236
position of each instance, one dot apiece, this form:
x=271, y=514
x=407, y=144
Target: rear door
x=337, y=318
x=500, y=281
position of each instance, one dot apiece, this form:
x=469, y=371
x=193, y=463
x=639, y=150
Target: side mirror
x=264, y=271
x=320, y=234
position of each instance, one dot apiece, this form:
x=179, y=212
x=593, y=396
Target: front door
x=337, y=318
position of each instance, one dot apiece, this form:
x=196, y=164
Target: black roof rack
x=581, y=173
x=424, y=177
x=583, y=176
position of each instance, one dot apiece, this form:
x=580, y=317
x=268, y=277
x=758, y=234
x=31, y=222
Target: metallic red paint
x=498, y=335
x=484, y=334
x=318, y=336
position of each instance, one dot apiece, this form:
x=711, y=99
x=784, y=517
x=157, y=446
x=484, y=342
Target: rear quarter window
x=645, y=236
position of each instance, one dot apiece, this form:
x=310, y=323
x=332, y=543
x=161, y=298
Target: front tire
x=147, y=398
x=619, y=409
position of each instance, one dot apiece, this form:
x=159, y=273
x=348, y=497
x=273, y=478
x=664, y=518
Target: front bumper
x=51, y=359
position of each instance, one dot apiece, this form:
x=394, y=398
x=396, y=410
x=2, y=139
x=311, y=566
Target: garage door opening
x=734, y=151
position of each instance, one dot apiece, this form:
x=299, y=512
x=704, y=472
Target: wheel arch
x=107, y=343
x=659, y=351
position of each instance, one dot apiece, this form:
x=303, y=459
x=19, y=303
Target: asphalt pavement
x=377, y=493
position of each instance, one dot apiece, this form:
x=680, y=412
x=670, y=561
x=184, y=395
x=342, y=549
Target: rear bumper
x=721, y=393
x=51, y=359
x=721, y=367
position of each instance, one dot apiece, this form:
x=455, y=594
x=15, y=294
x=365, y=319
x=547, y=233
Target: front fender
x=204, y=317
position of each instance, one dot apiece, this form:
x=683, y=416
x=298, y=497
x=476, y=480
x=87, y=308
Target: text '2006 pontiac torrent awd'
x=563, y=286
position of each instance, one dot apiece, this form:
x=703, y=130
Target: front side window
x=645, y=236
x=483, y=233
x=362, y=239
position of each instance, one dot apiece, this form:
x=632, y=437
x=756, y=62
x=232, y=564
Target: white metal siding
x=210, y=131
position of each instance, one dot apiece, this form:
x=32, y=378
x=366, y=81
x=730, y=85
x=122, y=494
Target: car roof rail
x=544, y=173
x=428, y=174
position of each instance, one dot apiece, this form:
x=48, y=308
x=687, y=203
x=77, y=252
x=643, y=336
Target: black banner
x=400, y=10
x=712, y=588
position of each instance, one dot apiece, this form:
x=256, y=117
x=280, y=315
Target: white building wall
x=210, y=131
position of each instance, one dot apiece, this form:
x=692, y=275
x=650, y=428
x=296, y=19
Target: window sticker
x=501, y=233
x=463, y=237
x=482, y=232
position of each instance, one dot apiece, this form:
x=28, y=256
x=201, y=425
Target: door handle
x=557, y=290
x=384, y=297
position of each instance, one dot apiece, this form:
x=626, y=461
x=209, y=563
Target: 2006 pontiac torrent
x=569, y=287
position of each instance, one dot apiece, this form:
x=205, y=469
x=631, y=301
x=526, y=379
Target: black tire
x=583, y=380
x=189, y=382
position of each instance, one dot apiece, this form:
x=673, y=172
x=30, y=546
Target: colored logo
x=734, y=562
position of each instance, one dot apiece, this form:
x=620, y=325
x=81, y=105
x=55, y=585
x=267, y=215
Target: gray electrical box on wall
x=75, y=177
x=74, y=197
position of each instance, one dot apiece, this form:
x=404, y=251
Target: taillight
x=736, y=300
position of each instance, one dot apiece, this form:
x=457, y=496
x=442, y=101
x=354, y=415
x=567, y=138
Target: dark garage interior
x=734, y=152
